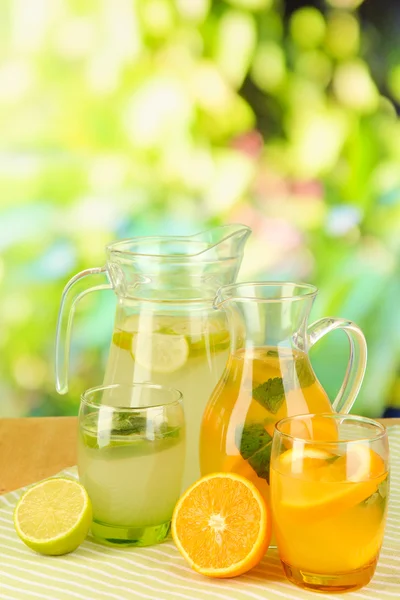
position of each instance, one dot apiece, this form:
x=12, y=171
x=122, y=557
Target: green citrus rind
x=51, y=499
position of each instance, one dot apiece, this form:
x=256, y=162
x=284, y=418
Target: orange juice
x=329, y=514
x=259, y=387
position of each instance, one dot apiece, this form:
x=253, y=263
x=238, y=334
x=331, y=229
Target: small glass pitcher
x=165, y=331
x=269, y=376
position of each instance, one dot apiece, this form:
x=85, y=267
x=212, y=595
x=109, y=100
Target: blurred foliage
x=123, y=118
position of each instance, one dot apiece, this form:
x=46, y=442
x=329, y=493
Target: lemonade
x=259, y=387
x=132, y=470
x=329, y=515
x=187, y=352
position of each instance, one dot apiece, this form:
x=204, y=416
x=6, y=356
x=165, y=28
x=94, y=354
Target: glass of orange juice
x=329, y=497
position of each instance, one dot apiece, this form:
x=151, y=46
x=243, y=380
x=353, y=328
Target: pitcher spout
x=227, y=240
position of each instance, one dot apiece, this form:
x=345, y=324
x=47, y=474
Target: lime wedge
x=54, y=516
x=159, y=352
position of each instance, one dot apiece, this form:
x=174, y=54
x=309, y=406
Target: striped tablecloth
x=96, y=572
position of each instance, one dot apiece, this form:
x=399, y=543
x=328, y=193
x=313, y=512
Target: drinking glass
x=329, y=496
x=131, y=454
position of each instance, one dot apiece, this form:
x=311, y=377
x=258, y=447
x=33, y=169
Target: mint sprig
x=254, y=444
x=270, y=394
x=379, y=496
x=301, y=373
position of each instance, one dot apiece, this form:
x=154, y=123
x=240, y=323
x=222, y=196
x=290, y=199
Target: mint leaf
x=270, y=394
x=165, y=431
x=305, y=374
x=383, y=488
x=378, y=496
x=126, y=424
x=254, y=444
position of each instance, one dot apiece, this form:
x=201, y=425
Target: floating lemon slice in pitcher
x=160, y=352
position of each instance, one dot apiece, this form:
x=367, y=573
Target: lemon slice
x=53, y=517
x=146, y=322
x=192, y=327
x=159, y=352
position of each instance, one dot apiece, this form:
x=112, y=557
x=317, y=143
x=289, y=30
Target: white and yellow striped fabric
x=96, y=572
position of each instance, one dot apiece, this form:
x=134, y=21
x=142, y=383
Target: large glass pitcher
x=166, y=330
x=269, y=376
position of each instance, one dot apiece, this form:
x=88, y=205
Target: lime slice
x=159, y=352
x=53, y=517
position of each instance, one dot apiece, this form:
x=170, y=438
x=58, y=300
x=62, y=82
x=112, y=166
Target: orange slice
x=309, y=457
x=359, y=463
x=222, y=525
x=319, y=491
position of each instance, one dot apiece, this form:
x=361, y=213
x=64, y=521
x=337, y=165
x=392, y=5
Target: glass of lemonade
x=329, y=499
x=130, y=460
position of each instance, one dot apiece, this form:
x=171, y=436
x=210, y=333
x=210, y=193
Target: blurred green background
x=121, y=118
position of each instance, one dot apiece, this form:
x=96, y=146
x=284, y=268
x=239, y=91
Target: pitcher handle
x=70, y=296
x=357, y=360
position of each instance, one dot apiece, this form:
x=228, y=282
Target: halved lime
x=54, y=516
x=160, y=352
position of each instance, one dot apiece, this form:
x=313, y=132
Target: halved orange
x=222, y=525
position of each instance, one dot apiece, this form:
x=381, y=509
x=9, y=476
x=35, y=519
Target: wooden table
x=34, y=448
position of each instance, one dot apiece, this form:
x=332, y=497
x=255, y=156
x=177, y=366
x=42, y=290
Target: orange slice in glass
x=304, y=460
x=320, y=490
x=222, y=525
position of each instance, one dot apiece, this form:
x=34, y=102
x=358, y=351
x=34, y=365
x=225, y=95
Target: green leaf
x=254, y=444
x=270, y=394
x=166, y=431
x=273, y=353
x=126, y=424
x=305, y=373
x=379, y=496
